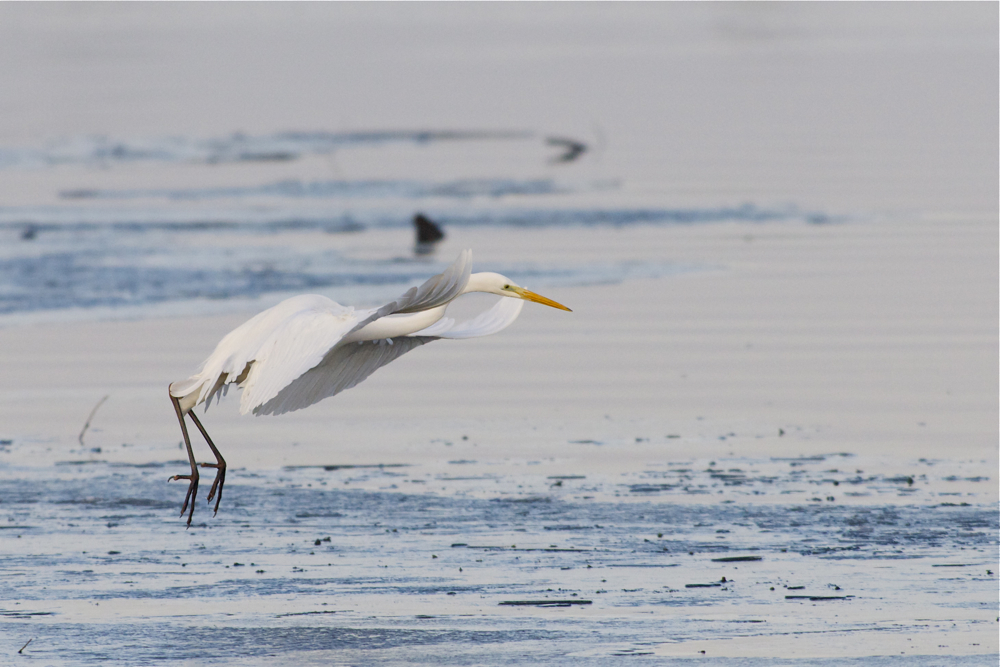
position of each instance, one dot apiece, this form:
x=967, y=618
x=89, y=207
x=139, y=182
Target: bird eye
x=506, y=286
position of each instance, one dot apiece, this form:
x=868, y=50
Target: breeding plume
x=308, y=348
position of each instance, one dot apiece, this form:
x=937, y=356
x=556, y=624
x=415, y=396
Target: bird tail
x=182, y=388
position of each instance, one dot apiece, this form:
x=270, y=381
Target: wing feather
x=343, y=368
x=347, y=365
x=436, y=291
x=297, y=345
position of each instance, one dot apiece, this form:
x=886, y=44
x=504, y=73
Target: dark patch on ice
x=125, y=277
x=86, y=257
x=544, y=603
x=157, y=643
x=237, y=147
x=68, y=220
x=349, y=466
x=372, y=189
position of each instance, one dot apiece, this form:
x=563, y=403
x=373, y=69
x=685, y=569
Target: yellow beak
x=528, y=295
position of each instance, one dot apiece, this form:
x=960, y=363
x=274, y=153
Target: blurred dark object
x=574, y=149
x=428, y=234
x=29, y=232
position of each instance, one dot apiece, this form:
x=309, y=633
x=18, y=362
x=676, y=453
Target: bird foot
x=192, y=491
x=220, y=480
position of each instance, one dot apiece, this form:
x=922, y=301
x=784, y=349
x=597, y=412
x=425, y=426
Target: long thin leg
x=192, y=491
x=219, y=465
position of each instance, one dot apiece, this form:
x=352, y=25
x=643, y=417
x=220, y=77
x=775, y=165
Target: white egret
x=309, y=347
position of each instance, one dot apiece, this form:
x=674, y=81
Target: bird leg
x=219, y=465
x=193, y=477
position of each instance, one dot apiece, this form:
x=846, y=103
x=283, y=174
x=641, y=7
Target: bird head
x=494, y=283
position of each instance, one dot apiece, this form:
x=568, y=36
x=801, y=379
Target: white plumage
x=309, y=347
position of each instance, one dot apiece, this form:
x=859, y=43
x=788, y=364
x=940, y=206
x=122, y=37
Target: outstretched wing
x=308, y=338
x=343, y=367
x=347, y=365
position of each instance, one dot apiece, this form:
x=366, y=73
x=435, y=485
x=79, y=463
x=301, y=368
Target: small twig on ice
x=87, y=425
x=26, y=644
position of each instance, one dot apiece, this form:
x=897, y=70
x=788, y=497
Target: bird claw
x=189, y=497
x=220, y=480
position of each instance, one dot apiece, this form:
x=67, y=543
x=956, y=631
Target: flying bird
x=309, y=347
x=573, y=148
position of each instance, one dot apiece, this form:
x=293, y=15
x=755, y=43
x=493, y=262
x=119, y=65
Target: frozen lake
x=459, y=564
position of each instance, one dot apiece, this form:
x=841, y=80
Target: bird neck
x=393, y=326
x=483, y=282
